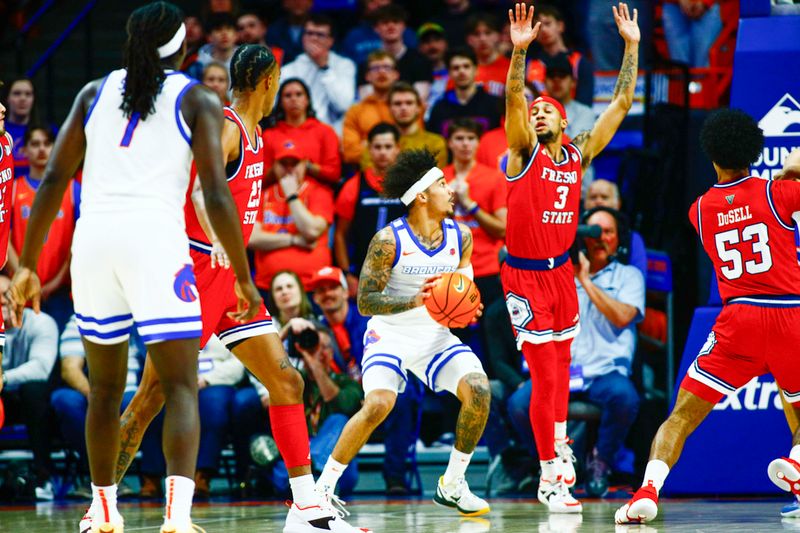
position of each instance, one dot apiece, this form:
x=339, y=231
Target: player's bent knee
x=292, y=385
x=476, y=391
x=377, y=406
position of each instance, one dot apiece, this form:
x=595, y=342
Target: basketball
x=453, y=301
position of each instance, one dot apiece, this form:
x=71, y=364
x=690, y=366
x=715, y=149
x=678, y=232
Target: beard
x=546, y=137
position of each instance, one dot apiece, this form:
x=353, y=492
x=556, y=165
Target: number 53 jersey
x=748, y=230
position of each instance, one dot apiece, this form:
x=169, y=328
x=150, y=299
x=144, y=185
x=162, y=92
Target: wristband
x=474, y=209
x=292, y=197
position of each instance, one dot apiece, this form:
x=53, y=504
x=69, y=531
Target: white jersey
x=414, y=264
x=134, y=165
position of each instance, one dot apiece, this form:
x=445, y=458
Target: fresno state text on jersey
x=245, y=176
x=543, y=204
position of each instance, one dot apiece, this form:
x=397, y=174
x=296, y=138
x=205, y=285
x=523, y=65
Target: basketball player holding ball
x=401, y=269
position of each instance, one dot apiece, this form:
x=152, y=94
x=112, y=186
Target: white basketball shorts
x=133, y=271
x=434, y=355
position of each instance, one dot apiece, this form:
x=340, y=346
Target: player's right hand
x=522, y=30
x=425, y=291
x=219, y=258
x=25, y=287
x=249, y=301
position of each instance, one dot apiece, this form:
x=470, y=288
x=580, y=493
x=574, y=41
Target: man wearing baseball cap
x=433, y=45
x=291, y=231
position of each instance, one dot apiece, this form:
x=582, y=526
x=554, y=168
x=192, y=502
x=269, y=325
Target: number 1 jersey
x=747, y=228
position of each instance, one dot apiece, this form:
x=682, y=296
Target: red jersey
x=544, y=204
x=6, y=195
x=58, y=241
x=245, y=175
x=747, y=230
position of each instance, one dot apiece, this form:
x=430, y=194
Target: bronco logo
x=185, y=285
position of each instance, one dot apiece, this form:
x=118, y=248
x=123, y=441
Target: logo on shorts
x=185, y=285
x=371, y=337
x=518, y=309
x=711, y=341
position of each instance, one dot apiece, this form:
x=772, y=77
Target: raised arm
x=521, y=137
x=375, y=275
x=592, y=142
x=67, y=155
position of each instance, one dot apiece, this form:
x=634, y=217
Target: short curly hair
x=409, y=167
x=732, y=139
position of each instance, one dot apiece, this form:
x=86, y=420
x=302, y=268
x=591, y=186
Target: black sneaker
x=396, y=487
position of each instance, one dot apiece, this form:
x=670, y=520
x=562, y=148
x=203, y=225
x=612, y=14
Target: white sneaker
x=458, y=496
x=566, y=461
x=643, y=507
x=85, y=525
x=45, y=492
x=555, y=495
x=318, y=518
x=89, y=524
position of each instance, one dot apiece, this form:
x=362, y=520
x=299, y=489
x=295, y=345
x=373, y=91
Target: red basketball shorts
x=542, y=304
x=218, y=298
x=752, y=336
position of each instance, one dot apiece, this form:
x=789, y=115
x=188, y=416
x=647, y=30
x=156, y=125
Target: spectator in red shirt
x=294, y=120
x=360, y=209
x=483, y=36
x=292, y=229
x=53, y=268
x=480, y=204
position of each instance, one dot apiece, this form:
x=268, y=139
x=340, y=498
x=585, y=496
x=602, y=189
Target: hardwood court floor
x=396, y=516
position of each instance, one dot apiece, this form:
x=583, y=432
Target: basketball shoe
x=643, y=507
x=791, y=510
x=458, y=496
x=785, y=473
x=318, y=518
x=172, y=528
x=556, y=496
x=89, y=523
x=566, y=461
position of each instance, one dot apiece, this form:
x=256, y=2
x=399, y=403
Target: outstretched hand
x=628, y=27
x=522, y=30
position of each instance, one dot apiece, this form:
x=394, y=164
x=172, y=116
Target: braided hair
x=148, y=28
x=250, y=63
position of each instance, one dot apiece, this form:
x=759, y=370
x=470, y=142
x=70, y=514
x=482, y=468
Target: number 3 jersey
x=245, y=175
x=747, y=228
x=544, y=204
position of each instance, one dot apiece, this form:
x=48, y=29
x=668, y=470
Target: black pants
x=28, y=404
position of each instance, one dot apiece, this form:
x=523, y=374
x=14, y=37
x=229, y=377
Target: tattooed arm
x=375, y=275
x=466, y=245
x=592, y=142
x=521, y=137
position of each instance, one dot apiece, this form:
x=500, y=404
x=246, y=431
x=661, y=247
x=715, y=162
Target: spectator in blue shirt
x=362, y=39
x=611, y=301
x=25, y=364
x=603, y=193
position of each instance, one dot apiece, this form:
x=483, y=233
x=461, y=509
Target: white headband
x=428, y=179
x=174, y=44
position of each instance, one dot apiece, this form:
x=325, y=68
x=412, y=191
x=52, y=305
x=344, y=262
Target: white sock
x=457, y=467
x=561, y=431
x=549, y=470
x=104, y=502
x=303, y=491
x=330, y=475
x=655, y=473
x=795, y=453
x=180, y=491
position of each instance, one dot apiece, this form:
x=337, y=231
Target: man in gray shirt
x=27, y=360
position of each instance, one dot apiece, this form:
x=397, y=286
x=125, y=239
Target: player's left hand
x=25, y=287
x=628, y=27
x=478, y=314
x=249, y=301
x=218, y=256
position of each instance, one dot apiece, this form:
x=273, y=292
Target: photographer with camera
x=330, y=399
x=611, y=302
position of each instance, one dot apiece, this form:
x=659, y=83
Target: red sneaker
x=643, y=507
x=785, y=473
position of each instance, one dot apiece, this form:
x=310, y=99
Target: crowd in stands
x=351, y=99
